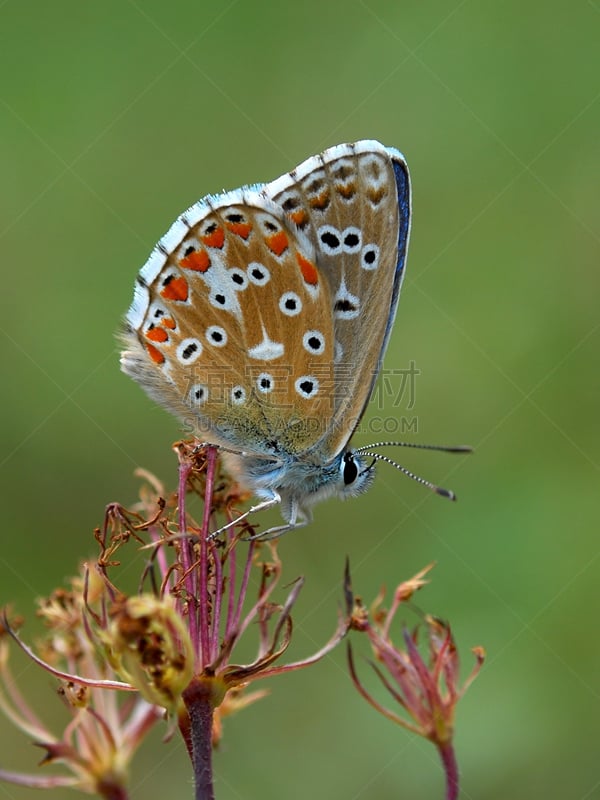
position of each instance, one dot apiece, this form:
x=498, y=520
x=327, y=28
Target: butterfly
x=261, y=319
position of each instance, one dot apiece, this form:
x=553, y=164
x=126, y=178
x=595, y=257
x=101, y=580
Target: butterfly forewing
x=231, y=329
x=353, y=202
x=262, y=316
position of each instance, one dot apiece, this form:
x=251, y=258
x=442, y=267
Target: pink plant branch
x=426, y=690
x=67, y=676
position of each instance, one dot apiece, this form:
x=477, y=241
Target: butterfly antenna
x=437, y=489
x=459, y=448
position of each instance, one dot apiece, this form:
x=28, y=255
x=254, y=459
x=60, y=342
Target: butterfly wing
x=353, y=202
x=230, y=327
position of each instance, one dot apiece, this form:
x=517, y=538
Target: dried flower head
x=105, y=728
x=156, y=652
x=426, y=688
x=170, y=645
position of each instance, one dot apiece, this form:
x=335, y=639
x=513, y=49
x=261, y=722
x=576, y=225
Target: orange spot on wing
x=376, y=195
x=308, y=269
x=157, y=335
x=198, y=261
x=177, y=289
x=168, y=322
x=299, y=217
x=277, y=243
x=240, y=228
x=214, y=238
x=321, y=200
x=347, y=190
x=155, y=354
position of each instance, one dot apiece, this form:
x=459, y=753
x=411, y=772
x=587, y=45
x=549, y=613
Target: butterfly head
x=353, y=471
x=349, y=475
x=356, y=475
x=302, y=482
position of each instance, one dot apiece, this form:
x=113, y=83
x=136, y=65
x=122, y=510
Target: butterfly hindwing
x=353, y=202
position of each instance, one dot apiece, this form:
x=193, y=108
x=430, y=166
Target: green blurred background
x=118, y=115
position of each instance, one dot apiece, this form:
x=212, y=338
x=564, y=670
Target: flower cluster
x=426, y=689
x=107, y=722
x=124, y=660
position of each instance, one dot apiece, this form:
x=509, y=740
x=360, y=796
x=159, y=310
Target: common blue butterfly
x=262, y=316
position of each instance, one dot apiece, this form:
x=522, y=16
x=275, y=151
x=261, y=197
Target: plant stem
x=112, y=791
x=187, y=550
x=203, y=625
x=448, y=757
x=199, y=707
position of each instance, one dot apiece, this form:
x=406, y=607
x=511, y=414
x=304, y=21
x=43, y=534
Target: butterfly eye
x=350, y=470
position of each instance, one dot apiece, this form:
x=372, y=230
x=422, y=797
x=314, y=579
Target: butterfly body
x=297, y=485
x=261, y=318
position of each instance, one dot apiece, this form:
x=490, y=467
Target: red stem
x=112, y=791
x=200, y=710
x=202, y=599
x=448, y=757
x=185, y=468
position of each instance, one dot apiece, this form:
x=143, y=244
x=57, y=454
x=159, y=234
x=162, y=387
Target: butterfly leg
x=272, y=499
x=298, y=519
